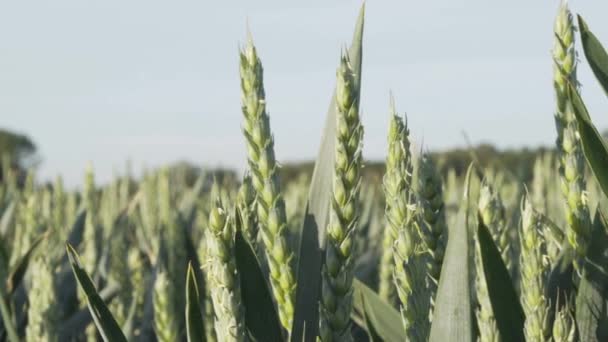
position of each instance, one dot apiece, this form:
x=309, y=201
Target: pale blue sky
x=157, y=81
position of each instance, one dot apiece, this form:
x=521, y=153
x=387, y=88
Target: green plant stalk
x=264, y=171
x=432, y=228
x=338, y=269
x=571, y=158
x=224, y=280
x=533, y=275
x=397, y=182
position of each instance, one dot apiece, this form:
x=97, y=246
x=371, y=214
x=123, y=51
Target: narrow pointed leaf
x=74, y=324
x=380, y=317
x=452, y=318
x=595, y=53
x=260, y=315
x=195, y=326
x=505, y=302
x=16, y=275
x=592, y=294
x=105, y=322
x=594, y=146
x=312, y=235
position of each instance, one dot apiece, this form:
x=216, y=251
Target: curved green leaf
x=594, y=146
x=260, y=315
x=595, y=53
x=16, y=275
x=379, y=317
x=505, y=302
x=195, y=326
x=312, y=235
x=105, y=322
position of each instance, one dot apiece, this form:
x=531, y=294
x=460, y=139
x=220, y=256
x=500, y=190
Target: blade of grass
x=371, y=311
x=505, y=302
x=16, y=275
x=595, y=53
x=594, y=146
x=105, y=322
x=453, y=315
x=261, y=317
x=195, y=327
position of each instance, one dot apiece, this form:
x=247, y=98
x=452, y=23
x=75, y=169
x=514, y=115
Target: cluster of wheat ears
x=332, y=257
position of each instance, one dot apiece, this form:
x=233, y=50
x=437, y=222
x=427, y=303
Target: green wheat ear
x=397, y=182
x=571, y=158
x=338, y=270
x=533, y=274
x=265, y=179
x=223, y=278
x=433, y=226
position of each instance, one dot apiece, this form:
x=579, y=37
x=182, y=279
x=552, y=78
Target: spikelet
x=564, y=327
x=246, y=205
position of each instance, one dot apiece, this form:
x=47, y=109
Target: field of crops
x=332, y=256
